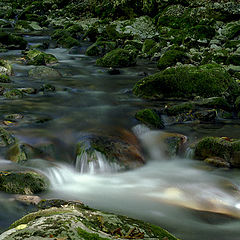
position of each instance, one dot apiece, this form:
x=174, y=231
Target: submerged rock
x=208, y=80
x=118, y=58
x=224, y=151
x=73, y=220
x=44, y=72
x=22, y=182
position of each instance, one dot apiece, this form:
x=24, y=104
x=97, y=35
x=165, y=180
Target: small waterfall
x=95, y=162
x=189, y=153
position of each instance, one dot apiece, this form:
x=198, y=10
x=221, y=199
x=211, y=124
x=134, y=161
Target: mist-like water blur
x=178, y=194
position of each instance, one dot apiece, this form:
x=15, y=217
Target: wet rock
x=113, y=71
x=14, y=116
x=21, y=152
x=73, y=220
x=150, y=117
x=4, y=78
x=44, y=72
x=100, y=48
x=28, y=199
x=5, y=68
x=208, y=80
x=28, y=90
x=22, y=182
x=48, y=88
x=226, y=149
x=117, y=152
x=11, y=41
x=36, y=57
x=117, y=58
x=217, y=162
x=13, y=94
x=6, y=138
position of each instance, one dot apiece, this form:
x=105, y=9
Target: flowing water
x=188, y=198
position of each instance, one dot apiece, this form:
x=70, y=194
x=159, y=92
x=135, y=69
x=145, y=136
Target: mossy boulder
x=148, y=45
x=6, y=138
x=231, y=30
x=171, y=57
x=5, y=67
x=118, y=58
x=44, y=72
x=150, y=117
x=77, y=221
x=180, y=108
x=208, y=80
x=22, y=182
x=114, y=153
x=4, y=78
x=21, y=152
x=64, y=38
x=11, y=41
x=36, y=57
x=225, y=148
x=13, y=94
x=100, y=48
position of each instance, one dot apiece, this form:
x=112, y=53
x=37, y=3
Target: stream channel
x=190, y=199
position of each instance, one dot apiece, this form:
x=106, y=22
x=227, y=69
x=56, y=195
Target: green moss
x=186, y=81
x=6, y=138
x=215, y=102
x=4, y=78
x=12, y=41
x=89, y=236
x=22, y=182
x=36, y=57
x=68, y=42
x=32, y=216
x=237, y=103
x=171, y=57
x=212, y=146
x=233, y=30
x=100, y=48
x=134, y=43
x=232, y=44
x=13, y=94
x=117, y=58
x=234, y=59
x=148, y=45
x=180, y=108
x=150, y=117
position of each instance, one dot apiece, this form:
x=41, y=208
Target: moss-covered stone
x=224, y=148
x=100, y=48
x=6, y=138
x=13, y=94
x=171, y=57
x=186, y=81
x=117, y=58
x=12, y=41
x=22, y=182
x=234, y=59
x=4, y=78
x=36, y=57
x=180, y=108
x=76, y=221
x=5, y=67
x=148, y=45
x=150, y=117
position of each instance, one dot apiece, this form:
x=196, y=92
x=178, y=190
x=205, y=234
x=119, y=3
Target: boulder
x=225, y=149
x=150, y=117
x=61, y=219
x=100, y=48
x=210, y=80
x=109, y=153
x=11, y=41
x=118, y=58
x=22, y=182
x=36, y=57
x=5, y=68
